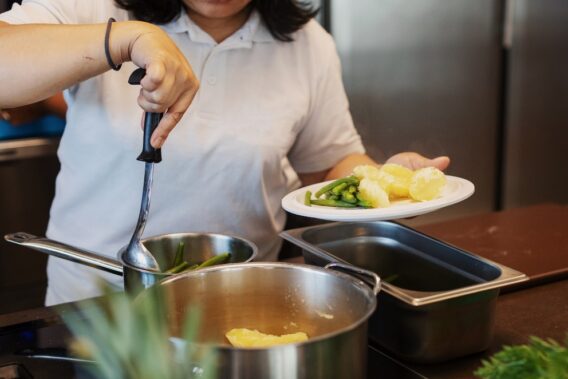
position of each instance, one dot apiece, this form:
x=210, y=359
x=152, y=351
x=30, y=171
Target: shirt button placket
x=212, y=93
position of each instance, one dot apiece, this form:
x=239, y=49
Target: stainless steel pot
x=333, y=308
x=198, y=248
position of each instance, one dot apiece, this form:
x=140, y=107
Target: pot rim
x=125, y=263
x=279, y=265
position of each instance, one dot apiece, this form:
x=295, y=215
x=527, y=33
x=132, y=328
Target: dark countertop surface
x=533, y=240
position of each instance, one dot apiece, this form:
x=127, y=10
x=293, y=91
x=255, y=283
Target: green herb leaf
x=129, y=338
x=540, y=359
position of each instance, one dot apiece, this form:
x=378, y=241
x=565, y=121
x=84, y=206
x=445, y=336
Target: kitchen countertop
x=533, y=240
x=539, y=308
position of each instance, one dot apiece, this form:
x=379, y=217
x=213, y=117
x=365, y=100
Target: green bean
x=337, y=190
x=178, y=259
x=217, y=259
x=179, y=268
x=333, y=203
x=348, y=197
x=364, y=204
x=308, y=198
x=335, y=183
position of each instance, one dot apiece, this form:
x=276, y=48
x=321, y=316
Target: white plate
x=456, y=190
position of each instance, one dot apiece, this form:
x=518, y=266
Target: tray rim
x=508, y=275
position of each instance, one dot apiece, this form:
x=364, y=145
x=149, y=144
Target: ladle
x=136, y=253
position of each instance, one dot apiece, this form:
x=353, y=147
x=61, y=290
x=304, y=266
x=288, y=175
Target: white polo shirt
x=265, y=111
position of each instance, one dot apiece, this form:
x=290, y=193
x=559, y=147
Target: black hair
x=282, y=17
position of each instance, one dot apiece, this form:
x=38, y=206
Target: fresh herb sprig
x=539, y=359
x=129, y=338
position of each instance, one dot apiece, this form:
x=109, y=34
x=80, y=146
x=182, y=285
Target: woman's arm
x=345, y=166
x=39, y=60
x=54, y=105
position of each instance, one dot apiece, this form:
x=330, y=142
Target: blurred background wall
x=483, y=81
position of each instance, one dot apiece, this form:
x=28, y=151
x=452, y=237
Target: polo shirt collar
x=254, y=30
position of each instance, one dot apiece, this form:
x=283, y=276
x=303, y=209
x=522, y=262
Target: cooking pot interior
x=198, y=247
x=275, y=299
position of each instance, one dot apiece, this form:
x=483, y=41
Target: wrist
x=123, y=37
x=118, y=38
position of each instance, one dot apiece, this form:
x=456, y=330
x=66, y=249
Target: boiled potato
x=242, y=337
x=373, y=193
x=395, y=179
x=366, y=171
x=426, y=184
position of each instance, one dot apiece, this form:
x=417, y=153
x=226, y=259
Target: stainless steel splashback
x=536, y=129
x=424, y=75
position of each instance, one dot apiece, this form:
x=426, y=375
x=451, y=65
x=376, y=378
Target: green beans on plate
x=341, y=193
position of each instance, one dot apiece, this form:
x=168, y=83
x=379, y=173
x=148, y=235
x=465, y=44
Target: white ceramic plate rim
x=456, y=190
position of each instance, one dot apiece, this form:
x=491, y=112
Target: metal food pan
x=437, y=302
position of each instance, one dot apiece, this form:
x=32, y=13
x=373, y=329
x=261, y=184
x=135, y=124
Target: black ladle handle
x=151, y=121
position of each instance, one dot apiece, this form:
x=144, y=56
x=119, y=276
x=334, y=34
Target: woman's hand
x=169, y=85
x=73, y=53
x=346, y=165
x=415, y=161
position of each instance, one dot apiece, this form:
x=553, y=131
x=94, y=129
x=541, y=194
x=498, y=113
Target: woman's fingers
x=440, y=163
x=415, y=161
x=155, y=75
x=168, y=91
x=169, y=85
x=173, y=110
x=166, y=125
x=171, y=119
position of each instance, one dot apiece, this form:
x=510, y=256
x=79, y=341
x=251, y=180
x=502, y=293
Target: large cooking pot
x=198, y=248
x=278, y=298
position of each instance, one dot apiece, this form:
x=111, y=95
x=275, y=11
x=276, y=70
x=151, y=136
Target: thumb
x=155, y=73
x=441, y=163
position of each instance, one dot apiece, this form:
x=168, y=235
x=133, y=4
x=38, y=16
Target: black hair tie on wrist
x=107, y=47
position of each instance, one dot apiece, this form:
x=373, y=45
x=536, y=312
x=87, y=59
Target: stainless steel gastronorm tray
x=414, y=267
x=437, y=301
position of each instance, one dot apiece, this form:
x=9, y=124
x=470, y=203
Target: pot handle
x=369, y=277
x=61, y=250
x=52, y=354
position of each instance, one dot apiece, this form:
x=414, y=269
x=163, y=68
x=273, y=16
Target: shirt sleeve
x=42, y=12
x=328, y=134
x=63, y=12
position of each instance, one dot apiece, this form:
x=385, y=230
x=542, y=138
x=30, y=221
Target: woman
x=270, y=115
